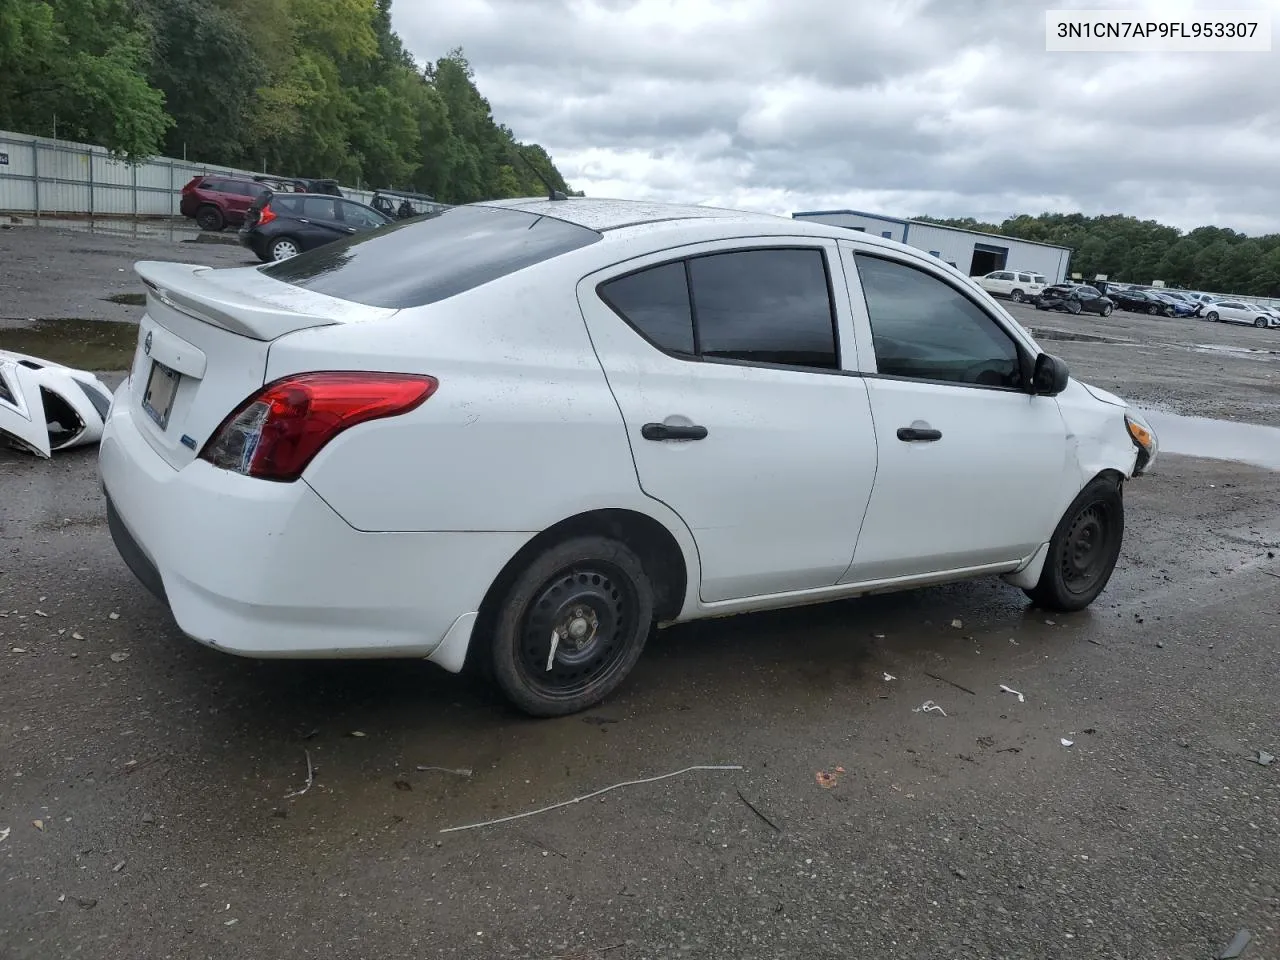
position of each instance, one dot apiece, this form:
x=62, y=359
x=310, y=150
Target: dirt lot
x=145, y=781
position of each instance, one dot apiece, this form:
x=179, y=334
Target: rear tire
x=283, y=248
x=1073, y=306
x=210, y=218
x=1083, y=549
x=591, y=593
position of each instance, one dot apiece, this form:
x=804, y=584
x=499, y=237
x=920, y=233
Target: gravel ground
x=145, y=781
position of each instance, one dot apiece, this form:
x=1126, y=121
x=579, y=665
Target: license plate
x=162, y=385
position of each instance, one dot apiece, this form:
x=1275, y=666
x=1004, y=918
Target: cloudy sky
x=904, y=107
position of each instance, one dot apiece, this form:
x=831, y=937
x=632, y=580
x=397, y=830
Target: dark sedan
x=282, y=225
x=1139, y=301
x=1074, y=299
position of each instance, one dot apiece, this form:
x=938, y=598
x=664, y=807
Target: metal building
x=977, y=254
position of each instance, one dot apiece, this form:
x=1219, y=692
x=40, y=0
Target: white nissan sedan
x=519, y=434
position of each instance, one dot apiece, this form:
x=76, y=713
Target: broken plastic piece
x=555, y=642
x=890, y=676
x=596, y=793
x=1236, y=947
x=1263, y=759
x=927, y=706
x=1021, y=698
x=46, y=406
x=1066, y=742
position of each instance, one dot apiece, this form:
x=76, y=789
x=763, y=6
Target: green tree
x=81, y=64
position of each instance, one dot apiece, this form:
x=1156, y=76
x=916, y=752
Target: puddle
x=1253, y=353
x=1041, y=333
x=1248, y=443
x=160, y=229
x=98, y=345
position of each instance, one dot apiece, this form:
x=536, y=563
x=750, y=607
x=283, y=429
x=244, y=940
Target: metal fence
x=41, y=176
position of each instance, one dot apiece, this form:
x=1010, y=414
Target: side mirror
x=1050, y=376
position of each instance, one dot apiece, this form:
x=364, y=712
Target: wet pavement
x=170, y=782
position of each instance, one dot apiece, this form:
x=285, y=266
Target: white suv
x=1016, y=285
x=521, y=433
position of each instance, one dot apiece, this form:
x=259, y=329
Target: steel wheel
x=1083, y=549
x=283, y=249
x=572, y=626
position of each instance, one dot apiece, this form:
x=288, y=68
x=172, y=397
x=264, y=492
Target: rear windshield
x=420, y=261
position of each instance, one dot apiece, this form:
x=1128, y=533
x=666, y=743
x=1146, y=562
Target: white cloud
x=946, y=107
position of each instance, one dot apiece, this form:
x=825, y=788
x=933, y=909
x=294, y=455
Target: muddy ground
x=160, y=772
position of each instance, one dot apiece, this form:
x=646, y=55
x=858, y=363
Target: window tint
x=421, y=261
x=1088, y=293
x=1024, y=278
x=283, y=203
x=766, y=306
x=656, y=303
x=925, y=329
x=358, y=216
x=319, y=208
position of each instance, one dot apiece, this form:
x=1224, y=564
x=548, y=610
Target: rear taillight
x=275, y=433
x=266, y=214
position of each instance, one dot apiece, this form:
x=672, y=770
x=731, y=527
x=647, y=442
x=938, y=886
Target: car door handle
x=667, y=431
x=918, y=433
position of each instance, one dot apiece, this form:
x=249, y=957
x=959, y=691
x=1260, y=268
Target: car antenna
x=552, y=192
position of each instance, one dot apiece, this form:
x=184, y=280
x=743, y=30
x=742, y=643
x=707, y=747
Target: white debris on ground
x=46, y=406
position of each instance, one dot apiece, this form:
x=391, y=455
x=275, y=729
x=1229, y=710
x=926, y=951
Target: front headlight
x=1144, y=438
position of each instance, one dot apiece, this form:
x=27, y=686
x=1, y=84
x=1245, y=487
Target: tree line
x=314, y=88
x=1212, y=259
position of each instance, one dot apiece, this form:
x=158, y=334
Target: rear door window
x=415, y=262
x=765, y=306
x=319, y=208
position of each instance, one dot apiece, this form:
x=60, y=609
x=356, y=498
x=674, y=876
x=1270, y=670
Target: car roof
x=598, y=213
x=624, y=220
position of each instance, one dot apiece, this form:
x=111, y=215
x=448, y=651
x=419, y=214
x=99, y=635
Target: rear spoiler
x=251, y=304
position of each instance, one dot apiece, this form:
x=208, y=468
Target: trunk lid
x=203, y=343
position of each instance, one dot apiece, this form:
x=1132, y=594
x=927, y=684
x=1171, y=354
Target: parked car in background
x=300, y=185
x=401, y=206
x=1139, y=301
x=1015, y=284
x=1075, y=298
x=1238, y=311
x=1179, y=306
x=521, y=434
x=282, y=225
x=215, y=201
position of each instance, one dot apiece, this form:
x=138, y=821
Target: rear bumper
x=267, y=569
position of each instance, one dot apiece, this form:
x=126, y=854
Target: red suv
x=215, y=201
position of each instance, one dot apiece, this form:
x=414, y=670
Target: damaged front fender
x=46, y=406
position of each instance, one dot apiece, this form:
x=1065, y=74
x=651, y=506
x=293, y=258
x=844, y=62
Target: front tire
x=584, y=608
x=1260, y=324
x=1106, y=311
x=1212, y=316
x=1083, y=549
x=1017, y=296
